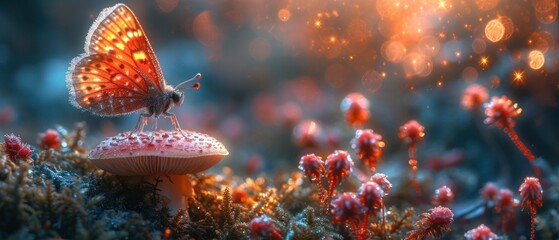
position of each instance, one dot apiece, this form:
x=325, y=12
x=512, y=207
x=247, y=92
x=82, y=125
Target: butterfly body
x=119, y=72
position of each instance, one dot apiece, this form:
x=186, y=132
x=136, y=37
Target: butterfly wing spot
x=130, y=34
x=140, y=56
x=116, y=77
x=119, y=46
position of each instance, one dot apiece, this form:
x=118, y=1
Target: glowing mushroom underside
x=167, y=155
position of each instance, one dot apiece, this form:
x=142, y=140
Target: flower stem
x=514, y=137
x=532, y=224
x=413, y=164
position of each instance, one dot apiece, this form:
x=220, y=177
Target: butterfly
x=119, y=73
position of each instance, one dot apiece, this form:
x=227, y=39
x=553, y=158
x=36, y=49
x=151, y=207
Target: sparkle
x=317, y=23
x=518, y=77
x=484, y=61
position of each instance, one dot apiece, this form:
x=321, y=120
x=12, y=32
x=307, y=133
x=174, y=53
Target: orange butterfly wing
x=122, y=85
x=106, y=85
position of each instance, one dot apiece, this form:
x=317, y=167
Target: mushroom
x=165, y=154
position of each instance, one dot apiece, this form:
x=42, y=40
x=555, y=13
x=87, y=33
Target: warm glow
x=484, y=61
x=317, y=23
x=284, y=15
x=494, y=30
x=518, y=77
x=536, y=59
x=139, y=56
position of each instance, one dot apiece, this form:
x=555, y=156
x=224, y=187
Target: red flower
x=264, y=226
x=347, y=208
x=50, y=139
x=382, y=180
x=482, y=232
x=356, y=109
x=433, y=223
x=443, y=196
x=505, y=201
x=505, y=205
x=412, y=132
x=368, y=146
x=501, y=112
x=489, y=192
x=531, y=193
x=306, y=134
x=312, y=166
x=15, y=149
x=371, y=195
x=474, y=96
x=338, y=166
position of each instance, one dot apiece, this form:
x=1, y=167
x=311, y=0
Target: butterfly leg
x=142, y=121
x=175, y=122
x=154, y=128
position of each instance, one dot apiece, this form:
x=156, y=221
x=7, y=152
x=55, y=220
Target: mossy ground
x=60, y=194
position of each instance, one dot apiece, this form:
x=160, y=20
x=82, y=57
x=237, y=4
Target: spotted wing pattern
x=119, y=69
x=107, y=86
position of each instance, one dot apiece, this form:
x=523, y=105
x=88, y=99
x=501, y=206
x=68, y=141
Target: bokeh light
x=536, y=59
x=546, y=10
x=485, y=5
x=270, y=66
x=372, y=80
x=284, y=14
x=393, y=51
x=167, y=5
x=494, y=30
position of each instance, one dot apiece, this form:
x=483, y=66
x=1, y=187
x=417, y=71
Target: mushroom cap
x=168, y=153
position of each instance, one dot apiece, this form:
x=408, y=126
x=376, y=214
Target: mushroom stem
x=177, y=189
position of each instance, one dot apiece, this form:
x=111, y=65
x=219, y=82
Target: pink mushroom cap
x=168, y=153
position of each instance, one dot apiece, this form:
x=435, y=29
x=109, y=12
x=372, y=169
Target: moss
x=60, y=194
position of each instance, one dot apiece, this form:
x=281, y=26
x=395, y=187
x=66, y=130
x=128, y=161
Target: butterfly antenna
x=195, y=86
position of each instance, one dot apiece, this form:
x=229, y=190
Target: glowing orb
x=372, y=80
x=284, y=15
x=536, y=59
x=545, y=10
x=494, y=30
x=393, y=51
